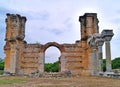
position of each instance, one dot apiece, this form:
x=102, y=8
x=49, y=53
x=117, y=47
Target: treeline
x=115, y=63
x=1, y=64
x=51, y=67
x=54, y=67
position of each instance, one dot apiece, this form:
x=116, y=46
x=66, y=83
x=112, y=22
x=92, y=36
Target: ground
x=81, y=81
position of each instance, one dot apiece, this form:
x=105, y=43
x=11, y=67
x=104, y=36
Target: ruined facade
x=24, y=58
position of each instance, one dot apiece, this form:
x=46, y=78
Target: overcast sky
x=57, y=20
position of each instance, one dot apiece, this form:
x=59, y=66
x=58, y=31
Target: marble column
x=107, y=36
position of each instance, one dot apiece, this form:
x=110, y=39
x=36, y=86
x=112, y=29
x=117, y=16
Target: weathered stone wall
x=23, y=58
x=73, y=57
x=30, y=59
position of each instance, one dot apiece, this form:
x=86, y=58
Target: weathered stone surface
x=25, y=59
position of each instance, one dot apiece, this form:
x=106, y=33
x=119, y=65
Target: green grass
x=1, y=72
x=11, y=80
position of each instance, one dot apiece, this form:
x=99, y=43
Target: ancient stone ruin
x=84, y=57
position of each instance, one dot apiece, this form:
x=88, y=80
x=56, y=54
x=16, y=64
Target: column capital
x=98, y=39
x=99, y=42
x=107, y=35
x=91, y=42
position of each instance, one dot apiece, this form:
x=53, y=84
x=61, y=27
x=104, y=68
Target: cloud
x=52, y=54
x=2, y=35
x=42, y=15
x=57, y=20
x=116, y=20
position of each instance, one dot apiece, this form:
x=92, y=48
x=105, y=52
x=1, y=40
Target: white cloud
x=57, y=20
x=52, y=54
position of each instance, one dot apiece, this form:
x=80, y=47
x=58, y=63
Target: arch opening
x=52, y=59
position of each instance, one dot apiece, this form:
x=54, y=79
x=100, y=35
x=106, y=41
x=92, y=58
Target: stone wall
x=23, y=58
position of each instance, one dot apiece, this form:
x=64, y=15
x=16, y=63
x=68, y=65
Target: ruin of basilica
x=84, y=57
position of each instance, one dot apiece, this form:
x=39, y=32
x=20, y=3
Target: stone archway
x=60, y=47
x=47, y=45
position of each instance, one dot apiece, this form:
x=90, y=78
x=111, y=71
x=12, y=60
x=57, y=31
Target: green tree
x=1, y=64
x=104, y=65
x=52, y=67
x=116, y=63
x=55, y=67
x=47, y=67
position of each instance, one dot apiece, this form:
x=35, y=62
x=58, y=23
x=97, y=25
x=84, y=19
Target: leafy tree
x=48, y=67
x=52, y=67
x=116, y=63
x=1, y=64
x=104, y=65
x=55, y=67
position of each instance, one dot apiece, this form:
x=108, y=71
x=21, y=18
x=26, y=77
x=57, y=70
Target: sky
x=57, y=20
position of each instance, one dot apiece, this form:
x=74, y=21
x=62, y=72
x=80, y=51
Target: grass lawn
x=11, y=80
x=82, y=81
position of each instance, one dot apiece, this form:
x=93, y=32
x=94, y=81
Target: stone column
x=108, y=56
x=94, y=61
x=99, y=41
x=107, y=36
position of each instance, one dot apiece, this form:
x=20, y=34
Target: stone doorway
x=60, y=48
x=52, y=59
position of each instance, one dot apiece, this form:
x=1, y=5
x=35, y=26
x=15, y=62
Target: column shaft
x=95, y=62
x=108, y=56
x=100, y=57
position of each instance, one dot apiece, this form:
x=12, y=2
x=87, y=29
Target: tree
x=52, y=67
x=116, y=63
x=1, y=64
x=47, y=67
x=55, y=67
x=104, y=65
